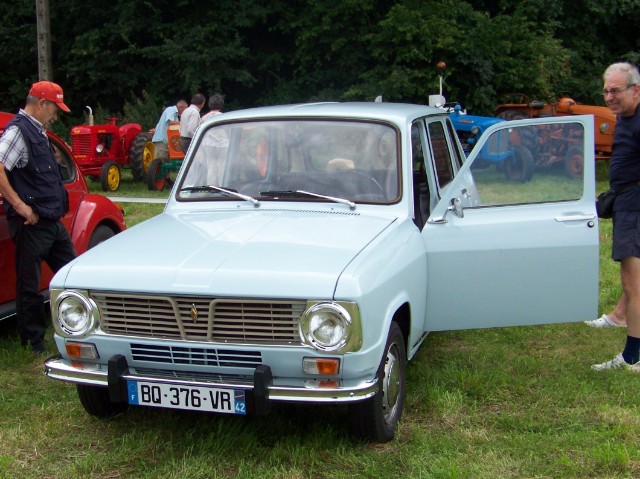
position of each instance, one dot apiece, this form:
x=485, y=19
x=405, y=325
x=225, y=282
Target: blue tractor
x=516, y=160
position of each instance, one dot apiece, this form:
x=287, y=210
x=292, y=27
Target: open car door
x=514, y=237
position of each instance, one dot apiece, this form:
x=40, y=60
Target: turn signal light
x=81, y=350
x=321, y=366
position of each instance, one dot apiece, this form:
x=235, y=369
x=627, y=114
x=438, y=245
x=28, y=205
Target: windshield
x=295, y=160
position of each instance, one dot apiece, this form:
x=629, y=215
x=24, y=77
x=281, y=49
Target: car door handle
x=575, y=218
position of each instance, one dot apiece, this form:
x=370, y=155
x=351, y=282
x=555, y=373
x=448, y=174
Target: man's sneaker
x=603, y=321
x=617, y=363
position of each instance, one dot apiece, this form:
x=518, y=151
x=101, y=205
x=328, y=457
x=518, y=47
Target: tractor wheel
x=519, y=166
x=141, y=154
x=110, y=176
x=156, y=179
x=574, y=162
x=528, y=136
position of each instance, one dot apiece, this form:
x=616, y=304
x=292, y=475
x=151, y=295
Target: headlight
x=74, y=314
x=327, y=327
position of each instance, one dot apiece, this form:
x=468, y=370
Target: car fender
x=394, y=268
x=95, y=210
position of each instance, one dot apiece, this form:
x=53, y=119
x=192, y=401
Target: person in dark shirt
x=622, y=95
x=35, y=200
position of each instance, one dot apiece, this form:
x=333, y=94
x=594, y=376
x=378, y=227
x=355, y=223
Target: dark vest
x=39, y=183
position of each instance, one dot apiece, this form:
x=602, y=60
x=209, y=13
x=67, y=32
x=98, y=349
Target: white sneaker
x=617, y=363
x=603, y=322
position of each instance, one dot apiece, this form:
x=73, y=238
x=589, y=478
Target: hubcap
x=391, y=383
x=113, y=178
x=148, y=154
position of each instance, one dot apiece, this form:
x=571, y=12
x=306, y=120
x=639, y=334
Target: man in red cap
x=35, y=200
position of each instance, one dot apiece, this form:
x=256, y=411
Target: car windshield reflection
x=344, y=161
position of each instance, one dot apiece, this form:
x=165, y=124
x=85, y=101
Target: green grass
x=496, y=403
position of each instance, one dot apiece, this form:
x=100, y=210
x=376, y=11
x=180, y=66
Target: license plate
x=191, y=398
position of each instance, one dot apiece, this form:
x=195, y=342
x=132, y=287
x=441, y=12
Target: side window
x=421, y=196
x=67, y=171
x=442, y=161
x=530, y=164
x=458, y=155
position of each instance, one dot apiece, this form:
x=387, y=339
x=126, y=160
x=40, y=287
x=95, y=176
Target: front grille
x=81, y=144
x=196, y=356
x=201, y=319
x=194, y=376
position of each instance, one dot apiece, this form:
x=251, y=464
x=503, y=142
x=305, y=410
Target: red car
x=91, y=219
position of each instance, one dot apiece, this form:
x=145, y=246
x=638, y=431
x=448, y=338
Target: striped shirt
x=13, y=148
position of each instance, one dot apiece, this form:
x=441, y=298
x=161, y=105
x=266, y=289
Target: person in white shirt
x=190, y=120
x=216, y=102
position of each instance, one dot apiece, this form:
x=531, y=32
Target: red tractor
x=101, y=151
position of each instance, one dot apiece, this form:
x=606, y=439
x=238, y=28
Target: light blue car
x=305, y=253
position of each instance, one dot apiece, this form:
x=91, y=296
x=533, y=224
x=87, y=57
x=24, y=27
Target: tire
x=376, y=418
x=100, y=234
x=156, y=179
x=519, y=166
x=574, y=162
x=110, y=176
x=95, y=400
x=141, y=154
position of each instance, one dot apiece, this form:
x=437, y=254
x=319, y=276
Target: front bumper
x=262, y=387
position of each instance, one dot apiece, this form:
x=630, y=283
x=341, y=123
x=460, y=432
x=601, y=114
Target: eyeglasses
x=616, y=91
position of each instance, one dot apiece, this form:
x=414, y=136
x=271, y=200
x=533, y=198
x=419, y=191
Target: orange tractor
x=518, y=108
x=158, y=169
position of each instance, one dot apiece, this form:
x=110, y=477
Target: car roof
x=5, y=118
x=396, y=112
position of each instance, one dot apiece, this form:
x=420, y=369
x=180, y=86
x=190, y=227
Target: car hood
x=258, y=253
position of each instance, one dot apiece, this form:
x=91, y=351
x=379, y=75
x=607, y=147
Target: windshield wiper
x=343, y=201
x=222, y=190
x=283, y=194
x=302, y=193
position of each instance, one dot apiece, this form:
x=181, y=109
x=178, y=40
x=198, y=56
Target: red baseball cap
x=49, y=91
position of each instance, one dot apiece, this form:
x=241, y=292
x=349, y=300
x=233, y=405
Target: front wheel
x=95, y=400
x=376, y=418
x=156, y=179
x=110, y=176
x=519, y=166
x=100, y=234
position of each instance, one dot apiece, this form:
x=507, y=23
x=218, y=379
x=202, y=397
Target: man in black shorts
x=622, y=95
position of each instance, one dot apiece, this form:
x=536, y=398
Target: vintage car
x=91, y=219
x=314, y=246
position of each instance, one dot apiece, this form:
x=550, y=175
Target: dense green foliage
x=133, y=57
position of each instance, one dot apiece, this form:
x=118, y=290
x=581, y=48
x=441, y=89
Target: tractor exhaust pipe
x=90, y=115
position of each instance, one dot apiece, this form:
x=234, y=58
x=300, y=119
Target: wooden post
x=45, y=68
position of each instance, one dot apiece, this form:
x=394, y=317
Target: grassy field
x=496, y=403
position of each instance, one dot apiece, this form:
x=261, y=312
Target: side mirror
x=456, y=207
